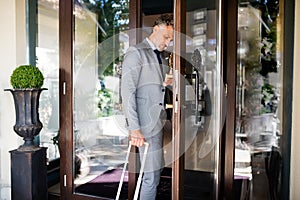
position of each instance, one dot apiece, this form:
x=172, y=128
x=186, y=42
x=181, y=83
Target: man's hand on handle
x=137, y=138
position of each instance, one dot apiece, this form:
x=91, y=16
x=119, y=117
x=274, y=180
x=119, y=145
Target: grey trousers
x=153, y=166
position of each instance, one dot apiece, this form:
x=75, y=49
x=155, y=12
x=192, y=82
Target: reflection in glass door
x=47, y=60
x=100, y=141
x=202, y=99
x=258, y=98
x=198, y=84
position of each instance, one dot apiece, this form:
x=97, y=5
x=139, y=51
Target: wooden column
x=178, y=100
x=135, y=22
x=66, y=97
x=229, y=61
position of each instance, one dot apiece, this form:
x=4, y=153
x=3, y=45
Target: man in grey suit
x=143, y=88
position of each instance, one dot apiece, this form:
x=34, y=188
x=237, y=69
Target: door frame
x=66, y=97
x=228, y=62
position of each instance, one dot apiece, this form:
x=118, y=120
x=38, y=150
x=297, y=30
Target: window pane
x=47, y=60
x=203, y=89
x=258, y=94
x=100, y=138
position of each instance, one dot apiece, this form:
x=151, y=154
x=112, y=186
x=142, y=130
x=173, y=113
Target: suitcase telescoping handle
x=138, y=185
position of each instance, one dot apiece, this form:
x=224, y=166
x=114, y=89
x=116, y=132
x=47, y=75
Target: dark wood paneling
x=177, y=126
x=155, y=7
x=135, y=22
x=287, y=94
x=66, y=98
x=229, y=47
x=219, y=188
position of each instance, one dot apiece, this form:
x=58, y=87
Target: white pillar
x=295, y=149
x=13, y=53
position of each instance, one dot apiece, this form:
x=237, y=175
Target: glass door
x=99, y=136
x=201, y=89
x=94, y=133
x=193, y=103
x=259, y=107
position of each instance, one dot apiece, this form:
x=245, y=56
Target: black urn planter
x=28, y=124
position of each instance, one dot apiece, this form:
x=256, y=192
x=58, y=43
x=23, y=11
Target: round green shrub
x=26, y=76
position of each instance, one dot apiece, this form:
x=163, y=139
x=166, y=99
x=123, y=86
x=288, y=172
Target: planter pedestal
x=28, y=162
x=29, y=174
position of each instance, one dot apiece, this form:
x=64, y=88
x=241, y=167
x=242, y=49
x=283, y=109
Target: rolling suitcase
x=138, y=185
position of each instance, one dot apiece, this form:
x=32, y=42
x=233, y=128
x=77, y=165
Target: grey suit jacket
x=142, y=88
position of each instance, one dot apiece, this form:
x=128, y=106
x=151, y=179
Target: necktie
x=158, y=56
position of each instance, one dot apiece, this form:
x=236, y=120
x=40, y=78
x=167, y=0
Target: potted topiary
x=27, y=82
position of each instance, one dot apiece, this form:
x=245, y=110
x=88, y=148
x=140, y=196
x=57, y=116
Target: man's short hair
x=165, y=19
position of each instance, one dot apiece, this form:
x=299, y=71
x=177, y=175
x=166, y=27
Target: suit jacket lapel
x=154, y=60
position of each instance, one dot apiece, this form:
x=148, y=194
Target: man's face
x=162, y=36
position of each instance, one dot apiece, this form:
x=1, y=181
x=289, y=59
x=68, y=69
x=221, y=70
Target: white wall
x=295, y=161
x=12, y=53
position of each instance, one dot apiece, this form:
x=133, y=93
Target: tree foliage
x=113, y=17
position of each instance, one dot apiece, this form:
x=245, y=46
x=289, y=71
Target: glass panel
x=100, y=141
x=203, y=89
x=258, y=97
x=202, y=77
x=47, y=61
